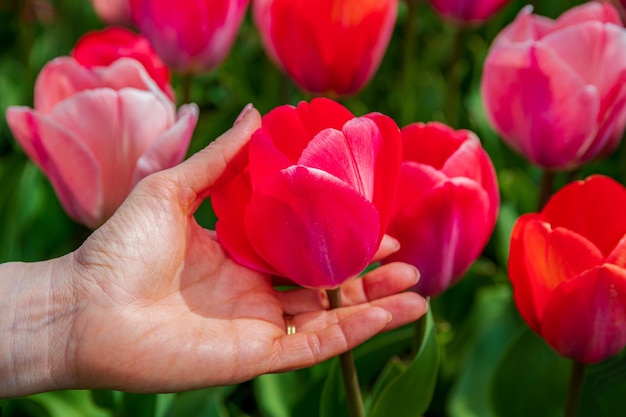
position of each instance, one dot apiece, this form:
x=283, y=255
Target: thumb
x=198, y=173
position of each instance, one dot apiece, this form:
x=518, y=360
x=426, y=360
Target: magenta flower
x=96, y=133
x=469, y=11
x=116, y=12
x=194, y=38
x=445, y=206
x=310, y=196
x=555, y=90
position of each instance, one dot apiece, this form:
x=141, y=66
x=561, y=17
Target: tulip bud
x=468, y=11
x=96, y=133
x=309, y=197
x=332, y=47
x=555, y=90
x=445, y=206
x=567, y=265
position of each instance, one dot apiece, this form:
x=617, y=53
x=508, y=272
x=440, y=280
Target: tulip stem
x=348, y=369
x=185, y=88
x=408, y=107
x=453, y=104
x=546, y=188
x=575, y=388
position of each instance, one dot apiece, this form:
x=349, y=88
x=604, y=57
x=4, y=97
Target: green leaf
x=604, y=388
x=531, y=379
x=333, y=399
x=410, y=393
x=138, y=405
x=477, y=347
x=209, y=402
x=69, y=404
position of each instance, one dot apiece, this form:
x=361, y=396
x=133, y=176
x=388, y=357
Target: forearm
x=36, y=313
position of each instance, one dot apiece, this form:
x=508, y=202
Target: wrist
x=37, y=309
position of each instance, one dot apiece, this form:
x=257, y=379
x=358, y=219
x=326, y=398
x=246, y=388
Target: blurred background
x=490, y=364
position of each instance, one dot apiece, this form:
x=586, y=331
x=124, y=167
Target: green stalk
x=409, y=70
x=453, y=97
x=575, y=388
x=348, y=370
x=546, y=188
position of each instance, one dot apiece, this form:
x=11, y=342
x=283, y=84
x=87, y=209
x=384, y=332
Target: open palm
x=162, y=307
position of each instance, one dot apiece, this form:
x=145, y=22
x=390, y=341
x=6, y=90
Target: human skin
x=152, y=303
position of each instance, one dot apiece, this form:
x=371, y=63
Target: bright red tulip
x=469, y=11
x=567, y=265
x=326, y=46
x=116, y=12
x=194, y=37
x=96, y=133
x=101, y=48
x=556, y=89
x=445, y=206
x=311, y=194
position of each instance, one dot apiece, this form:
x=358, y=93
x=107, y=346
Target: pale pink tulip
x=96, y=133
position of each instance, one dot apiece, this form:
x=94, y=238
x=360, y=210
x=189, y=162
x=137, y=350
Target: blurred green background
x=489, y=363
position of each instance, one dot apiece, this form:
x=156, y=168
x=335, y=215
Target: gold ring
x=290, y=326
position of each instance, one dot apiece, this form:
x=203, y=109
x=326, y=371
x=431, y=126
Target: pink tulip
x=194, y=38
x=326, y=46
x=115, y=12
x=96, y=133
x=310, y=196
x=469, y=11
x=101, y=48
x=445, y=206
x=555, y=90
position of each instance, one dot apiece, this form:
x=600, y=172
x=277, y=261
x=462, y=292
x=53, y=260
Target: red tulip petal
x=586, y=316
x=69, y=165
x=313, y=228
x=229, y=202
x=442, y=233
x=387, y=170
x=431, y=143
x=414, y=184
x=265, y=158
x=593, y=208
x=322, y=113
x=348, y=155
x=618, y=256
x=541, y=259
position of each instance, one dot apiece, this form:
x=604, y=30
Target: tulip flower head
x=114, y=12
x=445, y=206
x=567, y=265
x=332, y=47
x=468, y=11
x=96, y=133
x=555, y=90
x=101, y=48
x=193, y=38
x=310, y=195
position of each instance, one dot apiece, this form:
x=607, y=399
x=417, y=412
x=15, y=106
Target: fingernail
x=417, y=275
x=389, y=317
x=243, y=113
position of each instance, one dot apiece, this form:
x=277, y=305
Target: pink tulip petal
x=518, y=86
x=348, y=155
x=70, y=166
x=592, y=11
x=618, y=256
x=117, y=127
x=526, y=27
x=541, y=258
x=585, y=317
x=448, y=230
x=603, y=223
x=313, y=228
x=170, y=147
x=62, y=78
